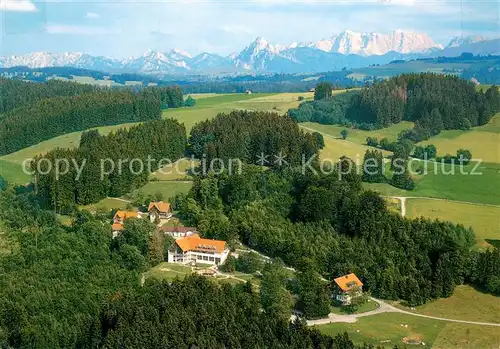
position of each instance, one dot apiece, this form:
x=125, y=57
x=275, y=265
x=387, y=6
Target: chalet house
x=179, y=232
x=121, y=216
x=194, y=249
x=116, y=228
x=346, y=287
x=159, y=210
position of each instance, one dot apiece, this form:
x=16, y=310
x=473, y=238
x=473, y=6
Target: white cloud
x=237, y=29
x=17, y=6
x=92, y=15
x=76, y=29
x=399, y=2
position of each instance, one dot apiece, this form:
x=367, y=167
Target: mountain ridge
x=347, y=49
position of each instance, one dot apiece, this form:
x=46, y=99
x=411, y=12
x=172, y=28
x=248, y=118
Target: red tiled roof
x=160, y=206
x=117, y=227
x=347, y=282
x=125, y=215
x=194, y=242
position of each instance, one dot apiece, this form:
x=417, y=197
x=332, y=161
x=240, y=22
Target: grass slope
x=482, y=141
x=466, y=303
x=485, y=220
x=167, y=189
x=13, y=172
x=389, y=329
x=481, y=188
x=359, y=136
x=209, y=107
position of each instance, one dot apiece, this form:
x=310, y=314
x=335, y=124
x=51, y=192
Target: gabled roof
x=347, y=282
x=126, y=214
x=117, y=227
x=160, y=206
x=195, y=243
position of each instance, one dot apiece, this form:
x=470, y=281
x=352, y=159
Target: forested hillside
x=40, y=111
x=16, y=93
x=434, y=102
x=74, y=287
x=114, y=164
x=249, y=136
x=341, y=229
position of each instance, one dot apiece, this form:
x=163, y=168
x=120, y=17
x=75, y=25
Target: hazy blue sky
x=124, y=28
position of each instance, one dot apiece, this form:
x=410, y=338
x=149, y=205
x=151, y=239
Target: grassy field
x=167, y=189
x=359, y=136
x=70, y=140
x=168, y=271
x=437, y=183
x=368, y=306
x=482, y=141
x=354, y=146
x=13, y=172
x=466, y=303
x=209, y=107
x=485, y=220
x=107, y=204
x=176, y=171
x=335, y=148
x=391, y=329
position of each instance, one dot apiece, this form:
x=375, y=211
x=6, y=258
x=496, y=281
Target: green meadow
x=13, y=172
x=481, y=187
x=209, y=107
x=389, y=329
x=482, y=141
x=466, y=303
x=484, y=220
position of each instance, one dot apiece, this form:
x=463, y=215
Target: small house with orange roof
x=194, y=249
x=346, y=287
x=159, y=210
x=116, y=228
x=121, y=216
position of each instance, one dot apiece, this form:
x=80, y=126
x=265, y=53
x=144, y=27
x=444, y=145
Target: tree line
x=75, y=287
x=251, y=136
x=112, y=165
x=45, y=118
x=17, y=93
x=434, y=102
x=341, y=228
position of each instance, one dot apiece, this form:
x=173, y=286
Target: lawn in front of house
x=365, y=307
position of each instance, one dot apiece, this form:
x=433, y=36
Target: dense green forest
x=434, y=102
x=249, y=136
x=140, y=150
x=16, y=93
x=75, y=287
x=40, y=116
x=329, y=219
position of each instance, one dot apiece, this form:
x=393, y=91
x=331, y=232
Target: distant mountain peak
x=346, y=49
x=465, y=40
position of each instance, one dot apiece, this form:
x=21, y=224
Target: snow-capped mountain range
x=347, y=49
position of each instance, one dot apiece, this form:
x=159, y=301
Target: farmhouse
x=121, y=216
x=193, y=249
x=159, y=210
x=116, y=228
x=179, y=232
x=346, y=287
